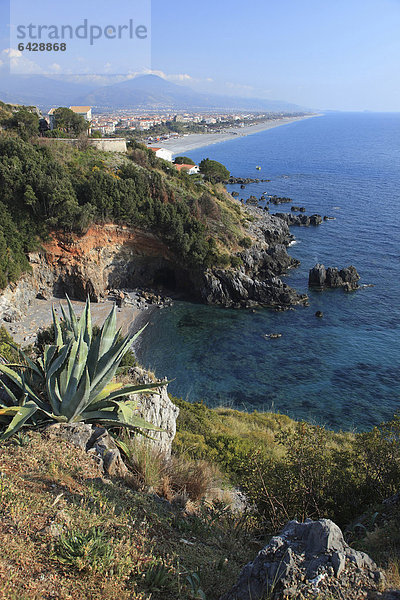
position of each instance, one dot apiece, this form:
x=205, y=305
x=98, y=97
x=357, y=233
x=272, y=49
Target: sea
x=341, y=371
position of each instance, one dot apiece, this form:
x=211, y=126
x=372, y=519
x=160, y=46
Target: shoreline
x=194, y=141
x=39, y=316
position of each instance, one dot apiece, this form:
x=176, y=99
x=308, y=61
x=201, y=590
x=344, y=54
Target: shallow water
x=342, y=370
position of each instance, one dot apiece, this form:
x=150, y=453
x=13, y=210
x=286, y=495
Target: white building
x=83, y=111
x=163, y=153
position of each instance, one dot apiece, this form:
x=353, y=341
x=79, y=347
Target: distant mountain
x=151, y=91
x=144, y=92
x=40, y=91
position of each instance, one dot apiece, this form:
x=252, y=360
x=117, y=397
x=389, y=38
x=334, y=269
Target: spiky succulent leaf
x=19, y=380
x=72, y=317
x=22, y=414
x=57, y=329
x=125, y=391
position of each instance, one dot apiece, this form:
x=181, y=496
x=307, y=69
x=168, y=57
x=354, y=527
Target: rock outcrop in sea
x=346, y=278
x=303, y=220
x=307, y=560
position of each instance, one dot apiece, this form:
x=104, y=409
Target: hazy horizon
x=343, y=56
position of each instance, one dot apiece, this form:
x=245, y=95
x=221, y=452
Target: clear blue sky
x=341, y=54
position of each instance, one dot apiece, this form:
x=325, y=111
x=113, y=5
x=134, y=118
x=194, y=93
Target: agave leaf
x=20, y=382
x=114, y=419
x=9, y=410
x=24, y=413
x=76, y=368
x=72, y=317
x=10, y=393
x=124, y=391
x=60, y=360
x=51, y=375
x=53, y=393
x=102, y=343
x=109, y=389
x=138, y=333
x=66, y=318
x=48, y=355
x=80, y=399
x=57, y=329
x=108, y=332
x=85, y=323
x=108, y=366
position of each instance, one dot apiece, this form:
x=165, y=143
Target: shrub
x=184, y=160
x=236, y=262
x=213, y=170
x=169, y=477
x=246, y=242
x=8, y=350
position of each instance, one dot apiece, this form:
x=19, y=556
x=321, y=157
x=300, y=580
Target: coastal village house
x=163, y=153
x=190, y=169
x=83, y=111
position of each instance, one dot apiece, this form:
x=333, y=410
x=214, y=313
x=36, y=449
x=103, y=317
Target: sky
x=341, y=55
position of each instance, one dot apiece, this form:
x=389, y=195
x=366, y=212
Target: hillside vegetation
x=47, y=185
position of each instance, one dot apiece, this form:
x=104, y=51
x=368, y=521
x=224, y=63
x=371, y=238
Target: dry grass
x=140, y=546
x=176, y=479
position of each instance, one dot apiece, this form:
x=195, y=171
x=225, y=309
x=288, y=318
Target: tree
x=69, y=121
x=213, y=170
x=25, y=122
x=184, y=160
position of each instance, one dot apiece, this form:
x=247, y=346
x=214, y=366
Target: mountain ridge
x=147, y=92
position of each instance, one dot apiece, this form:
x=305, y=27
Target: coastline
x=39, y=316
x=194, y=141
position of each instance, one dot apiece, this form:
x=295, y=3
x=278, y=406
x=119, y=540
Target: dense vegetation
x=294, y=470
x=213, y=170
x=47, y=185
x=184, y=160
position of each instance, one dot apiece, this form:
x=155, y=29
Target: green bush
x=213, y=170
x=8, y=351
x=236, y=262
x=184, y=160
x=47, y=185
x=246, y=242
x=294, y=470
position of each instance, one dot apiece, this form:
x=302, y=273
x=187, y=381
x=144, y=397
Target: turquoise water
x=342, y=370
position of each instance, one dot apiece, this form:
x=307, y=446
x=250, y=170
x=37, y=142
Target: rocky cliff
x=111, y=256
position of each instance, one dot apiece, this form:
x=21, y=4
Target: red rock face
x=105, y=256
x=71, y=248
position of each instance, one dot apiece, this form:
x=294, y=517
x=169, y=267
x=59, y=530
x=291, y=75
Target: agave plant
x=73, y=380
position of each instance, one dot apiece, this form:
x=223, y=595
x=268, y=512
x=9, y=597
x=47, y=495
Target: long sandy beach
x=198, y=140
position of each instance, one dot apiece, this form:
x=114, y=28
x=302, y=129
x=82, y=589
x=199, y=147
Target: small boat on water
x=258, y=168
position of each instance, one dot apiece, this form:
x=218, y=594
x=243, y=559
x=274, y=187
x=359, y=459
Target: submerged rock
x=308, y=559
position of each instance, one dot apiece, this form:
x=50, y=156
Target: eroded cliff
x=111, y=256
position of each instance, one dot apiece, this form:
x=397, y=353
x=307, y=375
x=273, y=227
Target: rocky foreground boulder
x=331, y=277
x=308, y=560
x=156, y=408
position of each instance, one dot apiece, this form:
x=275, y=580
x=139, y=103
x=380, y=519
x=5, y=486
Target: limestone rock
x=307, y=559
x=95, y=440
x=156, y=408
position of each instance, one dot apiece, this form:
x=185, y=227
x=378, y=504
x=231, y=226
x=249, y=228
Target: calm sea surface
x=343, y=370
